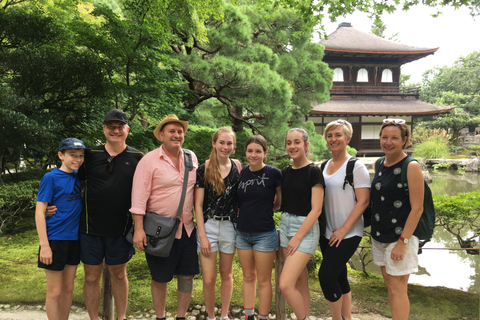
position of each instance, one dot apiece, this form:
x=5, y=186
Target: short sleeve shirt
x=390, y=203
x=256, y=193
x=62, y=189
x=107, y=196
x=340, y=197
x=224, y=205
x=297, y=189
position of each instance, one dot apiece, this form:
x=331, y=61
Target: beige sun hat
x=168, y=119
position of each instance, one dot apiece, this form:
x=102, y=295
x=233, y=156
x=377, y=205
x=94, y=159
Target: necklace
x=257, y=171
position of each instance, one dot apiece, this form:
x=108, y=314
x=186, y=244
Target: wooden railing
x=375, y=90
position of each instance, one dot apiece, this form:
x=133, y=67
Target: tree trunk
x=280, y=304
x=237, y=125
x=108, y=310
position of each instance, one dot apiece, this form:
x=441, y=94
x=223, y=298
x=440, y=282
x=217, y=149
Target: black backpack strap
x=349, y=172
x=404, y=170
x=324, y=163
x=378, y=162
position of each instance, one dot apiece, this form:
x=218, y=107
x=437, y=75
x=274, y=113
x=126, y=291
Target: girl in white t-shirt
x=343, y=208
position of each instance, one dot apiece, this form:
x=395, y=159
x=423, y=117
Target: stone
x=236, y=312
x=195, y=313
x=472, y=165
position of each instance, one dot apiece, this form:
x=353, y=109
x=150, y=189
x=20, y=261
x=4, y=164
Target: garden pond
x=439, y=266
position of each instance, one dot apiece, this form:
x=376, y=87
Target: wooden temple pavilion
x=366, y=86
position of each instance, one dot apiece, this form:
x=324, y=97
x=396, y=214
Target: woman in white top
x=343, y=208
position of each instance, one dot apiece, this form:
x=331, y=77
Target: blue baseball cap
x=71, y=143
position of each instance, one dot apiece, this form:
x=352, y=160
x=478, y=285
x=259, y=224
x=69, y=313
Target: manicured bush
x=15, y=199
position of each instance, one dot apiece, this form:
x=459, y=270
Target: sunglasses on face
x=109, y=165
x=397, y=121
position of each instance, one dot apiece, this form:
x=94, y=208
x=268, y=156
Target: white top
x=339, y=203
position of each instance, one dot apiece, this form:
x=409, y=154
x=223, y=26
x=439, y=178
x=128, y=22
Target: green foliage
x=259, y=66
x=459, y=213
x=282, y=163
x=15, y=199
x=440, y=166
x=422, y=133
x=434, y=148
x=457, y=85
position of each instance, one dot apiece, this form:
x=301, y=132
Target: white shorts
x=382, y=257
x=221, y=235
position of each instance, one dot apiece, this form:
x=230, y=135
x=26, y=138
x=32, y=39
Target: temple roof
x=348, y=44
x=373, y=106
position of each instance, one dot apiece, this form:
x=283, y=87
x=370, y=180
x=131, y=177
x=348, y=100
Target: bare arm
x=205, y=246
x=277, y=202
x=139, y=236
x=46, y=255
x=416, y=192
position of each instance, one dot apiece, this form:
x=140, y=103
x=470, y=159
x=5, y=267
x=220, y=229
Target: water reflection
x=439, y=267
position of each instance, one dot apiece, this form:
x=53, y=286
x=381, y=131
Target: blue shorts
x=63, y=252
x=258, y=241
x=289, y=227
x=183, y=260
x=115, y=250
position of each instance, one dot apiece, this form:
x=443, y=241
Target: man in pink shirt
x=157, y=187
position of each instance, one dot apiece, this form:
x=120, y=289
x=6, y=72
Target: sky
x=455, y=33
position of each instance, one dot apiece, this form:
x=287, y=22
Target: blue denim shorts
x=259, y=241
x=289, y=227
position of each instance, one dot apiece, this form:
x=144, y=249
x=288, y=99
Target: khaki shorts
x=382, y=252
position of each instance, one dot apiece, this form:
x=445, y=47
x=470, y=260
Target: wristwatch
x=403, y=239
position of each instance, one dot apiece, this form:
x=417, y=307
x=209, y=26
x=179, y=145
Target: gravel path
x=8, y=312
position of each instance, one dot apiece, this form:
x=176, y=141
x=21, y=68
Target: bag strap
x=378, y=162
x=187, y=155
x=349, y=172
x=408, y=159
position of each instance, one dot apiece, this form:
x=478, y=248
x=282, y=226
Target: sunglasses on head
x=397, y=121
x=337, y=122
x=109, y=165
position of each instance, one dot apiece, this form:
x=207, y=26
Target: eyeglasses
x=397, y=121
x=114, y=127
x=109, y=165
x=337, y=122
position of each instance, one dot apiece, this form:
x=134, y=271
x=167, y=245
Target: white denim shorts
x=382, y=257
x=221, y=235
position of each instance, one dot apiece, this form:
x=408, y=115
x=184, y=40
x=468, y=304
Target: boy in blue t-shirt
x=59, y=252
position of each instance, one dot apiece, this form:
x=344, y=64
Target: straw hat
x=168, y=119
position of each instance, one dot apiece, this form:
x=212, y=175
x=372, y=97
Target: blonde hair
x=347, y=127
x=213, y=176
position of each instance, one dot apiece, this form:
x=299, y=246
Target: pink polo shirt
x=157, y=187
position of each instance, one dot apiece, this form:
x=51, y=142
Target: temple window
x=337, y=74
x=362, y=75
x=387, y=75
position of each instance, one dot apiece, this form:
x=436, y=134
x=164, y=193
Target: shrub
x=434, y=148
x=15, y=199
x=422, y=134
